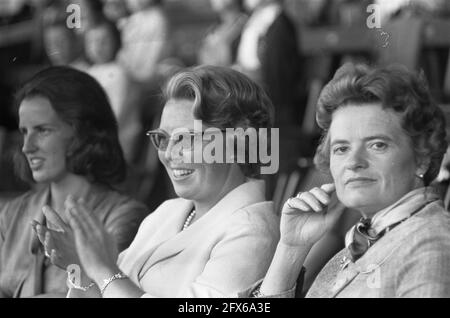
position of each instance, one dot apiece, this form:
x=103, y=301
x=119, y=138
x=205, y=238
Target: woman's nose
x=174, y=151
x=29, y=144
x=357, y=159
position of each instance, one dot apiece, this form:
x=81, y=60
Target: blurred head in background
x=102, y=42
x=61, y=43
x=91, y=13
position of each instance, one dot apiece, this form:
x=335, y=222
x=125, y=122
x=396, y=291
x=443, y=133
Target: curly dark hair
x=224, y=98
x=80, y=101
x=397, y=89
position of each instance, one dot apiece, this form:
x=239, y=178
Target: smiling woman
x=70, y=149
x=219, y=235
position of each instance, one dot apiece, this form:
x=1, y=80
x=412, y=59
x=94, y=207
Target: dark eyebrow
x=369, y=138
x=39, y=126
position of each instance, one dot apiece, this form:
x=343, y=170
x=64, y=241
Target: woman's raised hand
x=305, y=218
x=59, y=243
x=95, y=247
x=82, y=241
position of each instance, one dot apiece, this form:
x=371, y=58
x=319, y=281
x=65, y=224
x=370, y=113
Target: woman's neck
x=71, y=184
x=369, y=212
x=234, y=180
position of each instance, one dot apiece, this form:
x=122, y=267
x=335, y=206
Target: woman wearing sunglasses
x=218, y=236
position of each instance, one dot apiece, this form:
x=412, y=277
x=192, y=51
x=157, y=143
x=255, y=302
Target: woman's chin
x=357, y=201
x=38, y=178
x=184, y=191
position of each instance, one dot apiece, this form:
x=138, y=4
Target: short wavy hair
x=80, y=101
x=395, y=88
x=224, y=98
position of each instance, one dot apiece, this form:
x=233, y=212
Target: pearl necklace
x=188, y=220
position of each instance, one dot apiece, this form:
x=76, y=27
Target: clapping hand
x=82, y=241
x=95, y=246
x=59, y=243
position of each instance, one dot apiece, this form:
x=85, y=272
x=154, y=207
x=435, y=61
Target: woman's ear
x=422, y=167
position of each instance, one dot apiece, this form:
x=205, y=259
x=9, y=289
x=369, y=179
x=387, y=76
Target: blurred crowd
x=132, y=46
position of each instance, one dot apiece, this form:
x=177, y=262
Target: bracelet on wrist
x=109, y=280
x=73, y=285
x=256, y=293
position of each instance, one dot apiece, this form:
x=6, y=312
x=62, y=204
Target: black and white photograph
x=243, y=150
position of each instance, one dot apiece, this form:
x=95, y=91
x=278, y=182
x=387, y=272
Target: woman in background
x=144, y=39
x=62, y=45
x=220, y=45
x=102, y=43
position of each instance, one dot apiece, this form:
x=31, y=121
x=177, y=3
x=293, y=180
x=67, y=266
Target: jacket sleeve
x=124, y=220
x=4, y=208
x=425, y=270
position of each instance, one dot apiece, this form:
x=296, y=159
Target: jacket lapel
x=334, y=277
x=249, y=193
x=345, y=274
x=35, y=286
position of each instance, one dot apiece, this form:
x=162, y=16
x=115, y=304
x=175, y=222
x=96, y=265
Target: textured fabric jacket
x=412, y=260
x=24, y=270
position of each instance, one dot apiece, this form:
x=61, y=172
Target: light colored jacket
x=227, y=249
x=412, y=260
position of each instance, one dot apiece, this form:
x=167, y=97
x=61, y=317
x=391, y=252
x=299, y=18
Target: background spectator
x=144, y=39
x=102, y=42
x=220, y=45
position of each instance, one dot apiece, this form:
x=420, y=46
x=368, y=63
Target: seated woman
x=70, y=147
x=218, y=236
x=383, y=144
